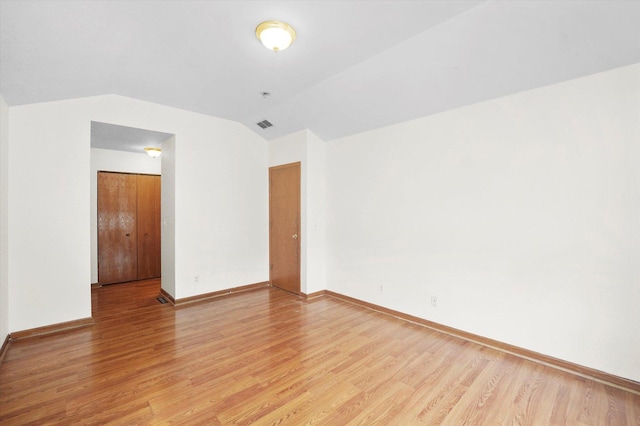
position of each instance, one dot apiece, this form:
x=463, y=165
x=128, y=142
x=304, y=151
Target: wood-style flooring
x=268, y=357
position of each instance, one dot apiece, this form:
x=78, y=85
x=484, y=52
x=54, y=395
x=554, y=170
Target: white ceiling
x=355, y=65
x=123, y=138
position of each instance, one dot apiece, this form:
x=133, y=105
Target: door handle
x=126, y=235
x=294, y=236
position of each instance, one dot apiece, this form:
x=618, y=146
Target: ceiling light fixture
x=275, y=35
x=153, y=152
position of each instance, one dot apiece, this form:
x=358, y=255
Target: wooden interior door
x=148, y=226
x=284, y=227
x=117, y=242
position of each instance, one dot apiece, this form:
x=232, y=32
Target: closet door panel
x=148, y=227
x=117, y=228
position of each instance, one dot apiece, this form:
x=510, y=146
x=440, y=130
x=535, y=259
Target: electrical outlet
x=196, y=278
x=381, y=288
x=434, y=301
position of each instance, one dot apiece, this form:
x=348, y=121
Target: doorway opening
x=119, y=150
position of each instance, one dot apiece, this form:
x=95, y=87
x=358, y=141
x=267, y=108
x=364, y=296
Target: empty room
x=320, y=212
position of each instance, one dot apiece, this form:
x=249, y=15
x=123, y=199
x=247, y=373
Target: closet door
x=148, y=227
x=117, y=223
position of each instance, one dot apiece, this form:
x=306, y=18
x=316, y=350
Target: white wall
x=49, y=232
x=113, y=161
x=222, y=207
x=4, y=276
x=308, y=149
x=521, y=214
x=316, y=213
x=221, y=203
x=168, y=221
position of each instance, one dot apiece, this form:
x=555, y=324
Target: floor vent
x=162, y=300
x=264, y=124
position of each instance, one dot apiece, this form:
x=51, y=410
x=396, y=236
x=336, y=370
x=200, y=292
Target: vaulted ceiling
x=356, y=65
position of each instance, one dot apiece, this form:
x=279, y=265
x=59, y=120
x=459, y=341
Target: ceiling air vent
x=264, y=124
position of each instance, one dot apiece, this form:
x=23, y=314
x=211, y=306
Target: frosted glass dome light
x=275, y=35
x=153, y=152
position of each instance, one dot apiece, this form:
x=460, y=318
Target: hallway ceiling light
x=153, y=152
x=275, y=35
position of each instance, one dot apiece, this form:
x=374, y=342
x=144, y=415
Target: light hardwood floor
x=267, y=357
